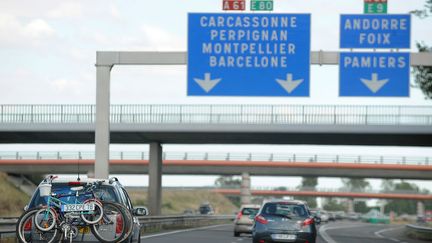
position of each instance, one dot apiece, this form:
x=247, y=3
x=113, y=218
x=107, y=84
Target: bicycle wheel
x=27, y=233
x=113, y=225
x=128, y=222
x=92, y=217
x=45, y=219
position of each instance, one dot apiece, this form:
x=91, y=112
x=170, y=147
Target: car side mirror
x=140, y=211
x=317, y=219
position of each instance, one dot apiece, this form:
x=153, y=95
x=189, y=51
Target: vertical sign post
x=234, y=5
x=375, y=6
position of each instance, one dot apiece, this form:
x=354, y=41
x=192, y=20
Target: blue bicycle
x=67, y=213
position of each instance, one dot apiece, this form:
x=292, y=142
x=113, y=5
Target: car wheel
x=236, y=234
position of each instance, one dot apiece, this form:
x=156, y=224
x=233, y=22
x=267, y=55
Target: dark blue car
x=284, y=221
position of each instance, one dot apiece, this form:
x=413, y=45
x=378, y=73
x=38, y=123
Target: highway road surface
x=340, y=232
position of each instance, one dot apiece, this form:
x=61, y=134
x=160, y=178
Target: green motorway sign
x=375, y=6
x=262, y=5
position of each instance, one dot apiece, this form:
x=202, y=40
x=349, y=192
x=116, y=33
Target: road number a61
x=234, y=5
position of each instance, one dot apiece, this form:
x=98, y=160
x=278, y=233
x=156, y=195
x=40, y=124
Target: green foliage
x=426, y=12
x=355, y=185
x=403, y=206
x=308, y=183
x=332, y=205
x=228, y=182
x=361, y=207
x=387, y=186
x=423, y=74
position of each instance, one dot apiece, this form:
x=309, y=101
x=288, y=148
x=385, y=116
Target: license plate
x=283, y=237
x=78, y=207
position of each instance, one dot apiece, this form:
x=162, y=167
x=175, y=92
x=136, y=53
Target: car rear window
x=292, y=210
x=250, y=211
x=105, y=193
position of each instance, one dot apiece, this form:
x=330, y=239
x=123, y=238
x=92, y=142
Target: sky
x=48, y=51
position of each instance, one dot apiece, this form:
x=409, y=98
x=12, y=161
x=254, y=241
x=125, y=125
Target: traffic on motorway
x=92, y=210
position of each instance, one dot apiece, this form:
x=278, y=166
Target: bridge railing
x=223, y=114
x=212, y=156
x=321, y=189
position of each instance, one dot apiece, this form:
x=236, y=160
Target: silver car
x=245, y=219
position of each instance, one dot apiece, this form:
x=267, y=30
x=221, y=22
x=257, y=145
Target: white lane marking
x=323, y=231
x=379, y=233
x=182, y=231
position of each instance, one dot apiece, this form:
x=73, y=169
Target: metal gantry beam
x=180, y=58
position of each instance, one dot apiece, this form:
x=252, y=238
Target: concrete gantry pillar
x=102, y=130
x=245, y=190
x=420, y=209
x=155, y=179
x=350, y=206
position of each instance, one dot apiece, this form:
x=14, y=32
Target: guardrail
x=222, y=114
x=419, y=232
x=233, y=156
x=156, y=223
x=149, y=223
x=7, y=227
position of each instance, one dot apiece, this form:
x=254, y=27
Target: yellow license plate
x=84, y=230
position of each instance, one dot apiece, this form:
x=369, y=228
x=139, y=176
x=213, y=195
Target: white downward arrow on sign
x=374, y=84
x=289, y=84
x=207, y=83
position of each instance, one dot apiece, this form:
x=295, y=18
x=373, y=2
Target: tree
x=423, y=13
x=403, y=206
x=361, y=207
x=423, y=74
x=331, y=204
x=308, y=183
x=228, y=182
x=387, y=185
x=355, y=185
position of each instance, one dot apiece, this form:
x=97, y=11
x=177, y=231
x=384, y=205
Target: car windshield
x=285, y=209
x=205, y=209
x=105, y=193
x=250, y=211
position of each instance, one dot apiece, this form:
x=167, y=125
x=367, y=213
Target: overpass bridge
x=216, y=163
x=221, y=124
x=328, y=193
x=210, y=124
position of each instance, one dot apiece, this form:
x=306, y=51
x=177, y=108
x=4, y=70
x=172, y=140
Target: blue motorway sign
x=374, y=74
x=248, y=54
x=375, y=31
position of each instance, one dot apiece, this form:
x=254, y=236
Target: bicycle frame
x=56, y=203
